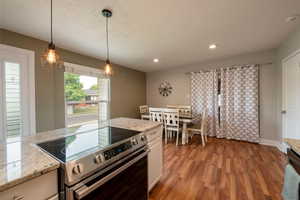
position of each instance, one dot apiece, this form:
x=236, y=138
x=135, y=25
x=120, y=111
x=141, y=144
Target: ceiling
x=178, y=32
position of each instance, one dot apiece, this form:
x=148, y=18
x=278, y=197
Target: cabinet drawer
x=154, y=133
x=40, y=188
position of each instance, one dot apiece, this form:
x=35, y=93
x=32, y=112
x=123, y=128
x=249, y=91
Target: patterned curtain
x=204, y=92
x=239, y=104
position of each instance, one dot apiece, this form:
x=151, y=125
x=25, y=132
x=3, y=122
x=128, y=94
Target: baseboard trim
x=154, y=183
x=279, y=145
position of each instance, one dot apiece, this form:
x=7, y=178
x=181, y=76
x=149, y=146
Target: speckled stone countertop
x=21, y=160
x=134, y=124
x=294, y=144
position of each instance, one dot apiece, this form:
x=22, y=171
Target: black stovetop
x=75, y=146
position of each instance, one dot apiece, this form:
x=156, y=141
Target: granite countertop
x=134, y=124
x=21, y=160
x=294, y=144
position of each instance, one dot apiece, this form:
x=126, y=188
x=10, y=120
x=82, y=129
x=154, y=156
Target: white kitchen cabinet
x=155, y=156
x=41, y=188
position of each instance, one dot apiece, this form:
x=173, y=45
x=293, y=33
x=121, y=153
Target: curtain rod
x=231, y=67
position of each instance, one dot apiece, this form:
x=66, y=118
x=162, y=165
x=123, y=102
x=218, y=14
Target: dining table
x=185, y=120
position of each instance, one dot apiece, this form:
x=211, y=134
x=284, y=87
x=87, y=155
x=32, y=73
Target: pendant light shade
x=107, y=68
x=51, y=56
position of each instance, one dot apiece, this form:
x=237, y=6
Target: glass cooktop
x=76, y=146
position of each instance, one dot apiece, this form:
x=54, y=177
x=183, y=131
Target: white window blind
x=104, y=99
x=14, y=121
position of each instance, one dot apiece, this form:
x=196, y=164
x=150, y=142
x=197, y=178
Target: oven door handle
x=85, y=190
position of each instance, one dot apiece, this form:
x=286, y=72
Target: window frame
x=87, y=71
x=25, y=58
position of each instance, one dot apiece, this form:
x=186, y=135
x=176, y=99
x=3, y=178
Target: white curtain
x=239, y=104
x=233, y=111
x=204, y=89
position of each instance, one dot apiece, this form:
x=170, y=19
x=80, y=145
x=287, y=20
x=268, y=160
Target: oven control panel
x=117, y=150
x=134, y=142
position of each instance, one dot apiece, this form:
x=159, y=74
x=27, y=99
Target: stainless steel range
x=106, y=163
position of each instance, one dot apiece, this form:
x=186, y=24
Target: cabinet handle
x=21, y=197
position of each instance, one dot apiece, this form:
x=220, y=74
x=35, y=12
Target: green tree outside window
x=73, y=88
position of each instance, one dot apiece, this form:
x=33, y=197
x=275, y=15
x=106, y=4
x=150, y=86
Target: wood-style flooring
x=222, y=170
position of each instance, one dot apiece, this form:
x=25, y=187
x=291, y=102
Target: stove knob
x=77, y=169
x=98, y=159
x=143, y=138
x=134, y=141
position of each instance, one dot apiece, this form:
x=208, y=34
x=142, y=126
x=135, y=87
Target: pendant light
x=51, y=57
x=107, y=69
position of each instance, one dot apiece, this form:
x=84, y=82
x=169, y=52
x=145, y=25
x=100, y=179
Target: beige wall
x=181, y=84
x=128, y=87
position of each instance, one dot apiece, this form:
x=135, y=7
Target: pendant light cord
x=51, y=24
x=107, y=45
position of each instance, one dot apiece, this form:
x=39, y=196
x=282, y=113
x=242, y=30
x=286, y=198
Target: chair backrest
x=204, y=122
x=184, y=111
x=156, y=114
x=144, y=109
x=171, y=117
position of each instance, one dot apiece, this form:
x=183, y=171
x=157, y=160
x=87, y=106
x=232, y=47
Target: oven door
x=126, y=181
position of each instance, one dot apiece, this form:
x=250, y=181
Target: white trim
x=283, y=99
x=290, y=56
x=279, y=145
x=30, y=87
x=2, y=122
x=154, y=183
x=88, y=71
x=83, y=70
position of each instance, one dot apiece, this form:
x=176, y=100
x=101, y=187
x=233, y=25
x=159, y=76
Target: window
x=87, y=95
x=17, y=99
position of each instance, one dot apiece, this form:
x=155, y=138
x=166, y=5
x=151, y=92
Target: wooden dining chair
x=200, y=128
x=144, y=110
x=184, y=111
x=171, y=124
x=156, y=114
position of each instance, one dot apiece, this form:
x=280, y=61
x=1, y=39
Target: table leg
x=184, y=126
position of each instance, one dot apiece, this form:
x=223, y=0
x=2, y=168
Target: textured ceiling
x=177, y=32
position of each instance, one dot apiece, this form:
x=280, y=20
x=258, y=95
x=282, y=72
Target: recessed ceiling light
x=212, y=46
x=292, y=18
x=156, y=60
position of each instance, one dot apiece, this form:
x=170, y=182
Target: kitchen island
x=294, y=144
x=18, y=167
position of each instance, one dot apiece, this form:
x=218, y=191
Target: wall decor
x=165, y=89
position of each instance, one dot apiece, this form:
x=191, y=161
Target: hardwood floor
x=222, y=170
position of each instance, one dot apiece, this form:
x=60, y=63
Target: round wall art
x=165, y=89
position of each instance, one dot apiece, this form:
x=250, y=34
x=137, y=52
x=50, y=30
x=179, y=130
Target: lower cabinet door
x=39, y=188
x=155, y=164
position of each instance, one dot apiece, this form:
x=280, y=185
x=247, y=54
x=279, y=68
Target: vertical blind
x=13, y=121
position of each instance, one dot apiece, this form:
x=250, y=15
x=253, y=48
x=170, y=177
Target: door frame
x=284, y=83
x=28, y=57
